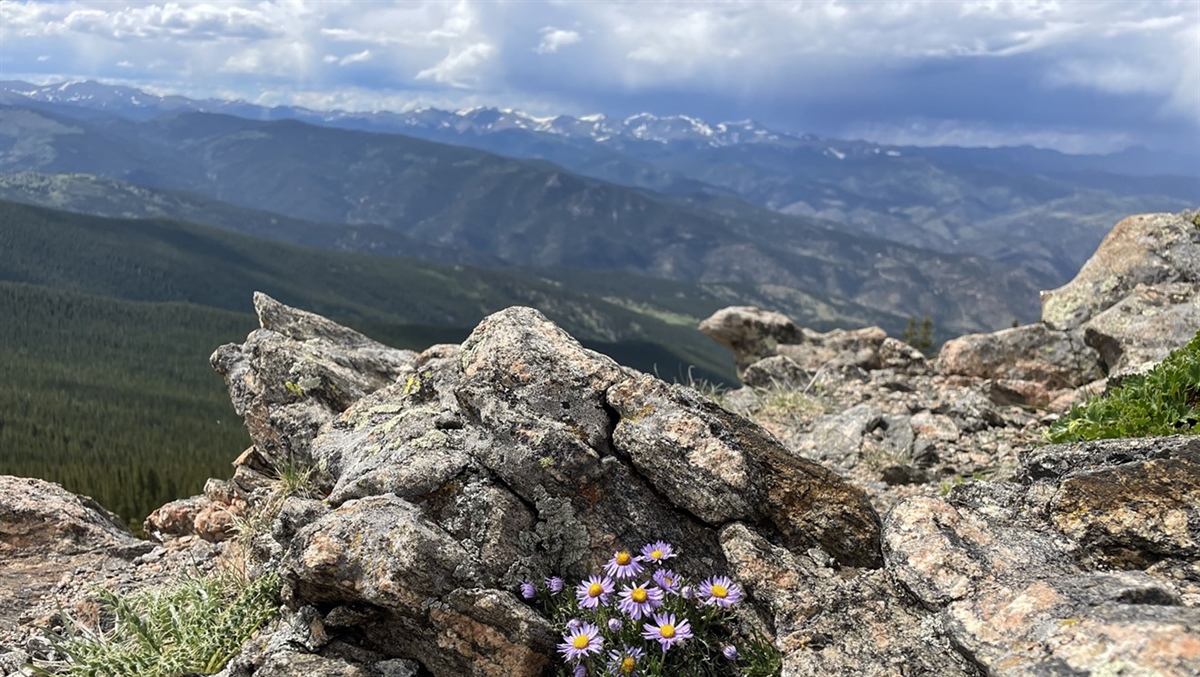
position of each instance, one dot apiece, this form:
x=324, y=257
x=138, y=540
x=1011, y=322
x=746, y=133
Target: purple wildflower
x=656, y=552
x=625, y=661
x=579, y=643
x=528, y=591
x=638, y=601
x=622, y=565
x=594, y=591
x=580, y=671
x=688, y=592
x=729, y=651
x=665, y=631
x=720, y=591
x=615, y=625
x=574, y=624
x=554, y=584
x=667, y=580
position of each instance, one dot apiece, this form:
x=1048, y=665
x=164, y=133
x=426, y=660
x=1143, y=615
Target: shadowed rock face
x=518, y=455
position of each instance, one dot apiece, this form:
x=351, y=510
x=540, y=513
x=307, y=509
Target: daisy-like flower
x=729, y=651
x=528, y=591
x=625, y=661
x=554, y=584
x=579, y=643
x=623, y=565
x=594, y=591
x=667, y=580
x=639, y=600
x=720, y=591
x=656, y=552
x=615, y=624
x=666, y=631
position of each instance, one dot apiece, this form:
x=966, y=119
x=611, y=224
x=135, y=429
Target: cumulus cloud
x=554, y=38
x=820, y=66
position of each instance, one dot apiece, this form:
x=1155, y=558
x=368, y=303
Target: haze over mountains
x=1037, y=209
x=967, y=236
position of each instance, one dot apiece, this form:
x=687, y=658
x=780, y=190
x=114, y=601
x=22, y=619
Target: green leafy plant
x=639, y=617
x=189, y=626
x=1163, y=401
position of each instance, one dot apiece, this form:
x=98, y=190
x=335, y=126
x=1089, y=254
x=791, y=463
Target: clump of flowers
x=639, y=617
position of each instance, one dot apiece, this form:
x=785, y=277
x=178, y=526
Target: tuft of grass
x=194, y=625
x=1163, y=401
x=783, y=404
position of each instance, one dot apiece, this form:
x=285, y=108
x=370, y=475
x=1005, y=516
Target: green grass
x=1163, y=401
x=188, y=626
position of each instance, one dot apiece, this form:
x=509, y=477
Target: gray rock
x=751, y=334
x=1149, y=249
x=778, y=371
x=1033, y=352
x=838, y=438
x=519, y=455
x=836, y=622
x=1022, y=574
x=723, y=468
x=297, y=372
x=1145, y=326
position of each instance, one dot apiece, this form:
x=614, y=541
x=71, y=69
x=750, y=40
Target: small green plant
x=192, y=625
x=920, y=334
x=656, y=623
x=1163, y=401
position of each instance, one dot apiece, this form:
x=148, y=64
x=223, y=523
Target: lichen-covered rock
x=831, y=621
x=1145, y=326
x=518, y=455
x=297, y=372
x=1035, y=352
x=1023, y=573
x=1149, y=249
x=723, y=468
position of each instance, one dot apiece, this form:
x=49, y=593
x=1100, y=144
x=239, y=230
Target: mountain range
x=519, y=213
x=952, y=200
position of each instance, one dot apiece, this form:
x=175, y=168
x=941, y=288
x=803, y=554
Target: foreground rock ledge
x=518, y=455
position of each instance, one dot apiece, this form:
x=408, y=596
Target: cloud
x=460, y=67
x=1016, y=67
x=554, y=38
x=357, y=57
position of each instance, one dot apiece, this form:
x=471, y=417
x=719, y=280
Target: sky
x=1074, y=75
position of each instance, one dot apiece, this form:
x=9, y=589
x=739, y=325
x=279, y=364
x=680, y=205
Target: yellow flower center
x=581, y=641
x=595, y=589
x=719, y=591
x=628, y=663
x=668, y=581
x=623, y=559
x=657, y=554
x=638, y=595
x=666, y=630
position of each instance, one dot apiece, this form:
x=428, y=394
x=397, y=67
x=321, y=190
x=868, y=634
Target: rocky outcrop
x=295, y=373
x=1138, y=296
x=770, y=350
x=518, y=455
x=1136, y=299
